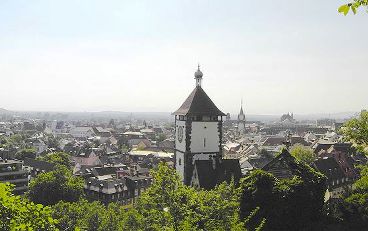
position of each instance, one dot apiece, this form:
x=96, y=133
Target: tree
x=17, y=213
x=344, y=9
x=354, y=207
x=58, y=158
x=356, y=131
x=170, y=205
x=280, y=200
x=303, y=153
x=26, y=153
x=83, y=215
x=59, y=185
x=161, y=137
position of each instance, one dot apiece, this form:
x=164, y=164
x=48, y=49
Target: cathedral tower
x=241, y=120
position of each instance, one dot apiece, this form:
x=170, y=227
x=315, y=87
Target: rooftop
x=198, y=103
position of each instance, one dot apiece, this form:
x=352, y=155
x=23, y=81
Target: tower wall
x=204, y=137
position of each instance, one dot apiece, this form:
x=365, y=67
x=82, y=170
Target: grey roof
x=225, y=170
x=39, y=164
x=198, y=104
x=282, y=166
x=107, y=186
x=330, y=168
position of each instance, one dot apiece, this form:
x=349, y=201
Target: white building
x=198, y=125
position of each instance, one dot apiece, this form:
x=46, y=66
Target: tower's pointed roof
x=241, y=108
x=198, y=104
x=241, y=111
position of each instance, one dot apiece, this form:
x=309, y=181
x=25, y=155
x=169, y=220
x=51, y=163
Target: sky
x=298, y=56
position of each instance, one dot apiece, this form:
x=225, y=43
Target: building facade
x=198, y=136
x=241, y=120
x=13, y=172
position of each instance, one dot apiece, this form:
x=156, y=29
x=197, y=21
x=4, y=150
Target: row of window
x=338, y=182
x=199, y=118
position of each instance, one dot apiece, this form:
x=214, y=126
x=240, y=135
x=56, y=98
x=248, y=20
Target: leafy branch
x=344, y=9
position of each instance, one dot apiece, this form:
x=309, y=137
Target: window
x=179, y=161
x=204, y=142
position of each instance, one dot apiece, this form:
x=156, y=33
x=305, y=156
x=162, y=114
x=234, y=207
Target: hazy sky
x=279, y=56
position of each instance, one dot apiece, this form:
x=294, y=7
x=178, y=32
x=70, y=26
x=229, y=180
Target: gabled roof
x=39, y=164
x=281, y=166
x=330, y=168
x=198, y=103
x=209, y=175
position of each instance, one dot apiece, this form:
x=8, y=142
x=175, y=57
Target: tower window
x=179, y=161
x=204, y=142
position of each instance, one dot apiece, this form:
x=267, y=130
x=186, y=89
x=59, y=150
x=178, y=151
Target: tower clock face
x=241, y=117
x=180, y=134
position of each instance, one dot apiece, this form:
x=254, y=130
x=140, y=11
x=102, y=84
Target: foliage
x=59, y=185
x=26, y=153
x=344, y=9
x=124, y=149
x=161, y=137
x=280, y=200
x=83, y=215
x=170, y=205
x=303, y=153
x=52, y=142
x=12, y=141
x=58, y=158
x=354, y=207
x=356, y=131
x=18, y=213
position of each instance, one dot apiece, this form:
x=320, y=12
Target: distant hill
x=3, y=111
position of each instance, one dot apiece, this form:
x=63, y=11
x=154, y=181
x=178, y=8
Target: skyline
x=141, y=56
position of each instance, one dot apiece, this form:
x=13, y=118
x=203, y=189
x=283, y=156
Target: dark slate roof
x=280, y=166
x=209, y=177
x=102, y=171
x=330, y=168
x=341, y=147
x=39, y=164
x=108, y=186
x=277, y=140
x=284, y=166
x=198, y=103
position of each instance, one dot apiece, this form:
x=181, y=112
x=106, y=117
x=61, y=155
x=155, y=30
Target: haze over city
x=278, y=56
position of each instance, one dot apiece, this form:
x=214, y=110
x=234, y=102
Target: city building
x=198, y=142
x=13, y=172
x=241, y=120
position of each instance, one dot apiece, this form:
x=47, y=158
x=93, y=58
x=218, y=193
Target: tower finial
x=198, y=76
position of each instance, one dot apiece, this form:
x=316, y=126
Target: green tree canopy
x=59, y=185
x=18, y=213
x=170, y=205
x=353, y=6
x=58, y=158
x=303, y=153
x=286, y=204
x=354, y=207
x=26, y=153
x=356, y=131
x=84, y=215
